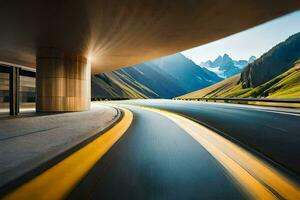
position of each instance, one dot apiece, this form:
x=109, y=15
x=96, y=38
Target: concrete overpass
x=66, y=41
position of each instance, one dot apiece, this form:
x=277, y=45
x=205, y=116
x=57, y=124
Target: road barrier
x=295, y=102
x=107, y=99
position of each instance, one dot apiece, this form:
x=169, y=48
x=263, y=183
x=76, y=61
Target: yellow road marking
x=58, y=181
x=253, y=174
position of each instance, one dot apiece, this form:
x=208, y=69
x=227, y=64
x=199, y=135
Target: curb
x=32, y=173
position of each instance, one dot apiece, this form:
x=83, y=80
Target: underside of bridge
x=67, y=40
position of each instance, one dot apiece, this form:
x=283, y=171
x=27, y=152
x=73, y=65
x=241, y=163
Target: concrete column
x=63, y=82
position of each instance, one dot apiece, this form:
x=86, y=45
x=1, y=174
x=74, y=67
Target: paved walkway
x=30, y=140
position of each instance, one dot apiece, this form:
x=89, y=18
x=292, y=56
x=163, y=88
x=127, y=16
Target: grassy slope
x=132, y=88
x=286, y=85
x=216, y=89
x=117, y=85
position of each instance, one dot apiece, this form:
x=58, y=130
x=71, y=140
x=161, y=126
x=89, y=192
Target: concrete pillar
x=63, y=82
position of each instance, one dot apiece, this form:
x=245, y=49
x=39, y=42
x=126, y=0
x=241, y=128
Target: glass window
x=27, y=92
x=4, y=93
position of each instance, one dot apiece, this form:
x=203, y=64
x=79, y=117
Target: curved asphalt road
x=271, y=134
x=252, y=152
x=156, y=159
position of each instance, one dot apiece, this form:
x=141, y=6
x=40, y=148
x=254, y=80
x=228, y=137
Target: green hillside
x=217, y=89
x=116, y=85
x=274, y=62
x=285, y=85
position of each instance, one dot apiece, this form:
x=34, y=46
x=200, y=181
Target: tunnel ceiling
x=118, y=33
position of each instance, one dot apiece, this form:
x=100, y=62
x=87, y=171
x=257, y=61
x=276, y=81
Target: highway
x=184, y=150
x=158, y=159
x=272, y=133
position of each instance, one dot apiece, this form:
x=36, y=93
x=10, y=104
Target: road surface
x=186, y=150
x=272, y=133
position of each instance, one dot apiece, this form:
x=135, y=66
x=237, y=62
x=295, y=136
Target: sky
x=251, y=42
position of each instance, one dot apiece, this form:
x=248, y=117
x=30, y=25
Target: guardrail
x=243, y=100
x=291, y=103
x=107, y=99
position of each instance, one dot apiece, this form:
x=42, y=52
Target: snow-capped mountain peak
x=225, y=67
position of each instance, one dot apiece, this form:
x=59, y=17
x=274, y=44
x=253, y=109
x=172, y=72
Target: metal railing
x=270, y=100
x=108, y=99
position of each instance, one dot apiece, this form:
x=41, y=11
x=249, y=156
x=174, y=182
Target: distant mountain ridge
x=225, y=67
x=165, y=77
x=188, y=74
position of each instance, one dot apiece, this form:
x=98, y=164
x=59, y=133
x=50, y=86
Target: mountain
x=117, y=85
x=225, y=67
x=276, y=74
x=271, y=64
x=251, y=59
x=285, y=85
x=216, y=90
x=149, y=75
x=165, y=77
x=186, y=73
